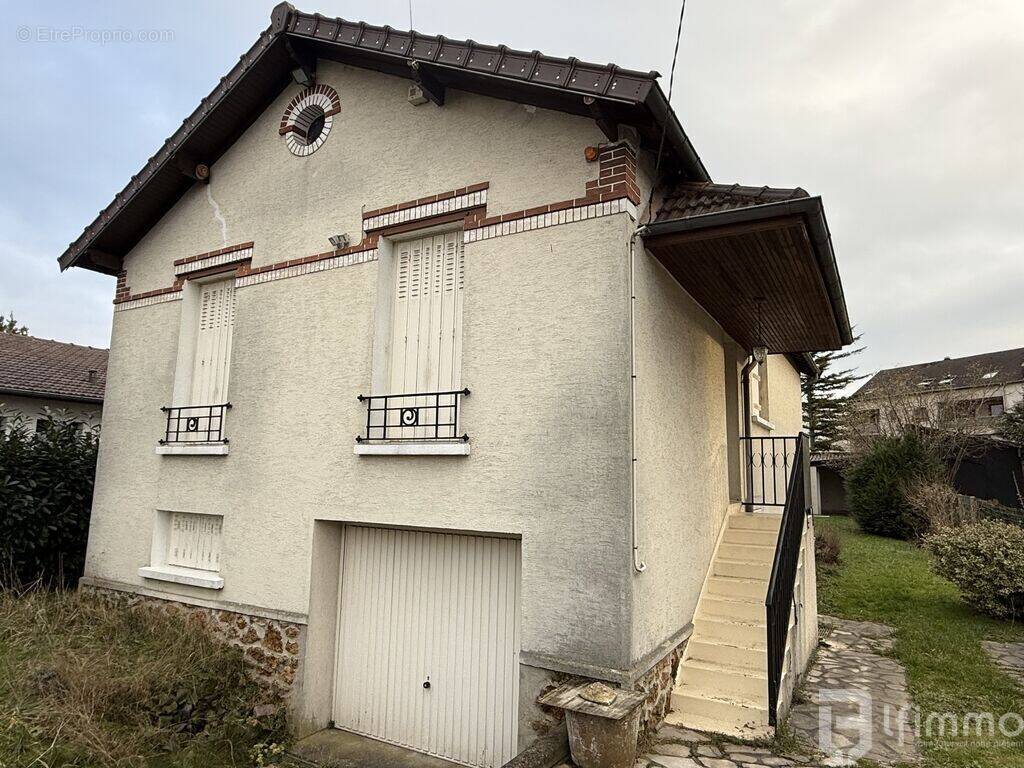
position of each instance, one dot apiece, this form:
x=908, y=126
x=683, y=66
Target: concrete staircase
x=722, y=685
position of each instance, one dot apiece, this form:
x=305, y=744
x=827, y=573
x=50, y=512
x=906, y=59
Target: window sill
x=178, y=575
x=454, y=448
x=762, y=422
x=198, y=449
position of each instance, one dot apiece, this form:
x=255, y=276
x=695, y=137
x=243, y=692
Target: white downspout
x=638, y=565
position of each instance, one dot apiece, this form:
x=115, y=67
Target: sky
x=907, y=117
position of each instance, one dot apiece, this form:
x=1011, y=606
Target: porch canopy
x=758, y=259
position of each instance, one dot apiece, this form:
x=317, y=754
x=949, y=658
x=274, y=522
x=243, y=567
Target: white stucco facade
x=545, y=353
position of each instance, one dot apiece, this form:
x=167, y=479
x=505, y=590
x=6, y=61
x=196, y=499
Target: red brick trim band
x=214, y=263
x=218, y=252
x=428, y=199
x=368, y=243
x=427, y=208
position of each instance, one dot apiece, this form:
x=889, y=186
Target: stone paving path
x=1008, y=656
x=849, y=659
x=682, y=748
x=867, y=694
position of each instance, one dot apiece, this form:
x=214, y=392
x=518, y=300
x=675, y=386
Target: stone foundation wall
x=657, y=684
x=272, y=648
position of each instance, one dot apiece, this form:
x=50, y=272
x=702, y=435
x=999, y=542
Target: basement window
x=186, y=549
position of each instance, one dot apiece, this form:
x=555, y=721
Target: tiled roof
x=689, y=199
x=607, y=93
x=991, y=369
x=47, y=368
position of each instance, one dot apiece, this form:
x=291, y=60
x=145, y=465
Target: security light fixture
x=339, y=241
x=760, y=354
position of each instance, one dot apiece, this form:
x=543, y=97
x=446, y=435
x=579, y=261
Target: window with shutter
x=213, y=343
x=426, y=346
x=194, y=541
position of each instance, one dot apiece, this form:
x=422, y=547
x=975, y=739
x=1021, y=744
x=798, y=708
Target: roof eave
x=647, y=102
x=813, y=213
x=665, y=116
x=50, y=395
x=804, y=363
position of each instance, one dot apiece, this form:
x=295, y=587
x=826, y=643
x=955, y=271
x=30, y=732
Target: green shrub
x=986, y=561
x=877, y=486
x=46, y=482
x=88, y=681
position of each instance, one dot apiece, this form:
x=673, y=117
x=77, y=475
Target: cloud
x=906, y=117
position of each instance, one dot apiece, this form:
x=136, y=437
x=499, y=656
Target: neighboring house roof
x=295, y=40
x=43, y=368
x=688, y=199
x=991, y=369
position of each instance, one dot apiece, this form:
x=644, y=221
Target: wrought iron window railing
x=195, y=424
x=415, y=416
x=782, y=582
x=767, y=463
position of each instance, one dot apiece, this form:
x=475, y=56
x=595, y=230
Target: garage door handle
x=426, y=684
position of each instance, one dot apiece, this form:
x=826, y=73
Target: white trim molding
x=190, y=576
x=431, y=448
x=196, y=449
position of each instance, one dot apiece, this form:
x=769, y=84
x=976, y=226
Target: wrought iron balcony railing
x=767, y=465
x=195, y=424
x=415, y=416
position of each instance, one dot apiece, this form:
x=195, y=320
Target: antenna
x=410, y=15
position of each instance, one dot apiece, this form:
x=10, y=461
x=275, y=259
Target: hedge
x=46, y=484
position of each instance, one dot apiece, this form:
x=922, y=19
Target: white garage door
x=428, y=642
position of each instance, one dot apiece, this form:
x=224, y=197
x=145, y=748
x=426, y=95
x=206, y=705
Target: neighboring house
x=966, y=393
x=828, y=488
x=40, y=374
x=423, y=474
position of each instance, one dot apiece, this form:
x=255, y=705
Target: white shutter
x=426, y=348
x=195, y=541
x=213, y=343
x=422, y=607
x=426, y=341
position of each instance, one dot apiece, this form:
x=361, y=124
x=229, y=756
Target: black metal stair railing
x=781, y=585
x=413, y=416
x=194, y=424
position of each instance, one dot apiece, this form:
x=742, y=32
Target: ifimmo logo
x=850, y=727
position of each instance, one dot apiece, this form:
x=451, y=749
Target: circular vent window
x=306, y=122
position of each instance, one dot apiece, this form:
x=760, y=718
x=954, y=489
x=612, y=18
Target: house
x=515, y=423
x=965, y=393
x=40, y=375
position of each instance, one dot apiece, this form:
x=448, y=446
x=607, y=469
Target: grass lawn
x=938, y=638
